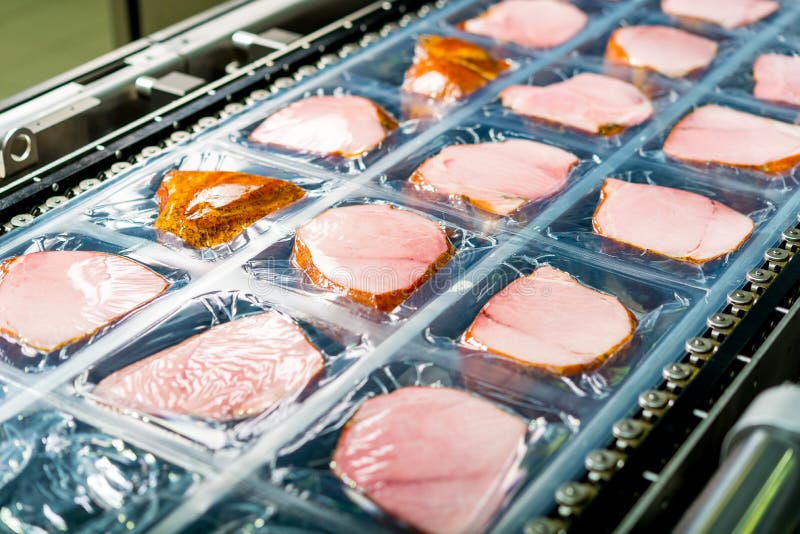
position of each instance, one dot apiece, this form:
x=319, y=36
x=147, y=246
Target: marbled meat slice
x=230, y=371
x=725, y=13
x=725, y=136
x=669, y=51
x=50, y=299
x=535, y=23
x=589, y=102
x=208, y=208
x=551, y=321
x=671, y=222
x=497, y=177
x=438, y=459
x=447, y=69
x=374, y=253
x=777, y=78
x=327, y=125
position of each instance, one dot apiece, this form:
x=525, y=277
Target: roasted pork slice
x=589, y=102
x=669, y=51
x=536, y=23
x=551, y=321
x=435, y=458
x=777, y=78
x=725, y=136
x=446, y=69
x=725, y=13
x=344, y=126
x=208, y=208
x=53, y=298
x=230, y=371
x=497, y=177
x=374, y=253
x=670, y=222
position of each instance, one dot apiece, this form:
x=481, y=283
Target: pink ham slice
x=228, y=372
x=551, y=321
x=589, y=102
x=328, y=125
x=438, y=459
x=497, y=177
x=669, y=51
x=536, y=23
x=374, y=253
x=670, y=222
x=50, y=299
x=725, y=136
x=725, y=13
x=777, y=78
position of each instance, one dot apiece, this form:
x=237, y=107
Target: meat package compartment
x=274, y=266
x=30, y=360
x=302, y=467
x=657, y=306
x=470, y=10
x=480, y=129
x=338, y=346
x=661, y=92
x=388, y=66
x=62, y=474
x=728, y=42
x=573, y=226
x=740, y=83
x=782, y=181
x=346, y=85
x=133, y=209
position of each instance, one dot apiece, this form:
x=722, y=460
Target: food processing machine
x=648, y=462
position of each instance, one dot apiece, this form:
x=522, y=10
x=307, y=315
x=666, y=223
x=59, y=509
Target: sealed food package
x=343, y=127
x=777, y=78
x=684, y=224
x=327, y=125
x=592, y=103
x=64, y=475
x=493, y=171
x=207, y=204
x=669, y=51
x=446, y=68
x=530, y=23
x=578, y=101
x=384, y=258
x=62, y=291
x=725, y=13
x=556, y=317
x=220, y=367
x=717, y=134
x=364, y=457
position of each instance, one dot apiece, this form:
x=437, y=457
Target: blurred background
x=43, y=38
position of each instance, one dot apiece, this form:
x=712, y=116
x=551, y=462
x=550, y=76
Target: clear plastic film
x=138, y=210
x=270, y=468
x=389, y=286
x=98, y=284
x=61, y=474
x=304, y=467
x=223, y=368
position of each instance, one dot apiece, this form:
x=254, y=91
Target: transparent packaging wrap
x=15, y=351
x=302, y=467
x=62, y=474
x=265, y=464
x=279, y=264
x=575, y=225
x=316, y=353
x=133, y=210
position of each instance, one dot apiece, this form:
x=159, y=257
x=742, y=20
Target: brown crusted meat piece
x=207, y=208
